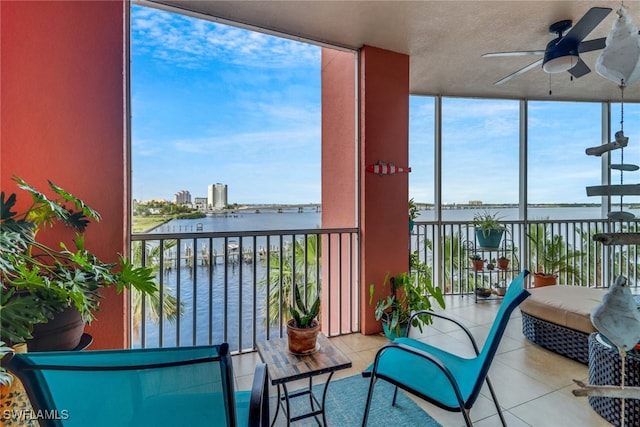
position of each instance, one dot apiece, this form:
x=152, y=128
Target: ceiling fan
x=562, y=53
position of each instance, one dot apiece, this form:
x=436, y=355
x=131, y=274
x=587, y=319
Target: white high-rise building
x=217, y=196
x=182, y=197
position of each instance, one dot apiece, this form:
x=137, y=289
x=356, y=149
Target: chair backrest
x=169, y=386
x=516, y=293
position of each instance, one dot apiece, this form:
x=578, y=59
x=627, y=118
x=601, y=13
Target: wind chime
x=619, y=62
x=617, y=318
x=621, y=141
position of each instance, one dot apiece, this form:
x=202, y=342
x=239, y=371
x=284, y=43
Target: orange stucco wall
x=62, y=110
x=339, y=192
x=384, y=135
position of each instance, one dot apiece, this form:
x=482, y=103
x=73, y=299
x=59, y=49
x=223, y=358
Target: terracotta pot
x=63, y=332
x=302, y=340
x=540, y=280
x=478, y=264
x=503, y=263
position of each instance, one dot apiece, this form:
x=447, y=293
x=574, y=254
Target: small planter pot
x=540, y=280
x=477, y=264
x=483, y=292
x=490, y=239
x=503, y=263
x=302, y=340
x=392, y=334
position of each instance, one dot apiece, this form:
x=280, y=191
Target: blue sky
x=214, y=103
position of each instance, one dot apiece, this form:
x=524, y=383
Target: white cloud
x=192, y=43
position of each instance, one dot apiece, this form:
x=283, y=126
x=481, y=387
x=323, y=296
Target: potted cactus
x=303, y=327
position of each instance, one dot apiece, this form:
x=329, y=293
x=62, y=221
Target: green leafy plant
x=409, y=293
x=487, y=222
x=303, y=315
x=38, y=280
x=413, y=210
x=550, y=255
x=298, y=264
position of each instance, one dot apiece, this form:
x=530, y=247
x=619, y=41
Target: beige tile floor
x=533, y=384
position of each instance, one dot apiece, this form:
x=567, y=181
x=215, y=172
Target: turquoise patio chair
x=184, y=386
x=445, y=379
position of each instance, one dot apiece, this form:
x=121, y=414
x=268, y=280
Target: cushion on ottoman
x=564, y=305
x=559, y=318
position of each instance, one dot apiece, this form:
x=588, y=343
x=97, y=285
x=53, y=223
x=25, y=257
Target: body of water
x=291, y=219
x=222, y=313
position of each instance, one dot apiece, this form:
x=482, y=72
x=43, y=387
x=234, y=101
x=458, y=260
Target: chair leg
x=395, y=394
x=495, y=401
x=369, y=395
x=467, y=417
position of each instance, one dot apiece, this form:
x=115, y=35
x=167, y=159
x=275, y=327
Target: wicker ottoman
x=558, y=319
x=604, y=369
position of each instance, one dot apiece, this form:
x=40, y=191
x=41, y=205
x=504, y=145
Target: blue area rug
x=345, y=406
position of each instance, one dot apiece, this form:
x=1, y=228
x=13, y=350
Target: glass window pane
x=559, y=169
x=627, y=118
x=421, y=154
x=479, y=156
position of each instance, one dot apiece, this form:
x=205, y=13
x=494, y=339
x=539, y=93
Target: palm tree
x=549, y=255
x=298, y=263
x=164, y=299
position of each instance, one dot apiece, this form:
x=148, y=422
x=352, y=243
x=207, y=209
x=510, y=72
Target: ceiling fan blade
x=514, y=53
x=520, y=71
x=580, y=69
x=589, y=45
x=585, y=25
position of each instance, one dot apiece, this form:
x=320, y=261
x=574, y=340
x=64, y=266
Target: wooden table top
x=285, y=366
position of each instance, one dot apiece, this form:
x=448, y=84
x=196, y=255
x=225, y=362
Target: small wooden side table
x=285, y=367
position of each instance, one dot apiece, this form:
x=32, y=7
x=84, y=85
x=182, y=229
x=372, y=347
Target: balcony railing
x=234, y=286
x=446, y=247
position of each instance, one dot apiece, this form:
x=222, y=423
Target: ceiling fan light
x=560, y=63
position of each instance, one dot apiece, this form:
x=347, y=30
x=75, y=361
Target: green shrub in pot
x=38, y=280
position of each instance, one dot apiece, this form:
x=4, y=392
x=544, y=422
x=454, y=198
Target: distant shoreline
x=429, y=206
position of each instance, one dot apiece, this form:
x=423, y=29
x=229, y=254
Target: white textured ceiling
x=444, y=39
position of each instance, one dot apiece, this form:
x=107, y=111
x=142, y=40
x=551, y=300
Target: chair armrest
x=442, y=316
x=259, y=400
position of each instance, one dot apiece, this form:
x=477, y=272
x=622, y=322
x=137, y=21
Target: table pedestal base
x=604, y=369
